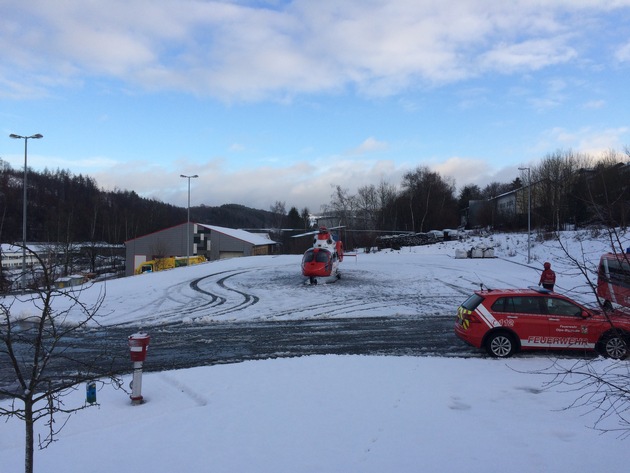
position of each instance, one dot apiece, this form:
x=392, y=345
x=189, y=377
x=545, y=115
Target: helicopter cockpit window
x=323, y=256
x=309, y=256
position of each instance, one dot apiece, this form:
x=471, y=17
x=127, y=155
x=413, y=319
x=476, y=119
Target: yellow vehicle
x=160, y=264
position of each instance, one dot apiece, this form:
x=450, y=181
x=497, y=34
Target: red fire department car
x=504, y=321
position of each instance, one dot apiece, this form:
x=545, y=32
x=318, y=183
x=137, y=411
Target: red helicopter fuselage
x=323, y=258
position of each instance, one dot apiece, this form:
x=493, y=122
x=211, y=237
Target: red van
x=613, y=280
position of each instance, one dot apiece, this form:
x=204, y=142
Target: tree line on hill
x=64, y=207
x=566, y=187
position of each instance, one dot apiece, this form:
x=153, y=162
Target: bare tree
x=342, y=206
x=606, y=193
x=494, y=189
x=279, y=214
x=386, y=201
x=601, y=386
x=431, y=198
x=306, y=218
x=554, y=178
x=410, y=185
x=368, y=207
x=37, y=347
x=600, y=190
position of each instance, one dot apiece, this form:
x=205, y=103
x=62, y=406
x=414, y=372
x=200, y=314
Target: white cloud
x=599, y=142
x=369, y=145
x=594, y=104
x=237, y=147
x=468, y=171
x=589, y=140
x=79, y=166
x=551, y=96
x=247, y=52
x=463, y=170
x=302, y=184
x=528, y=55
x=623, y=53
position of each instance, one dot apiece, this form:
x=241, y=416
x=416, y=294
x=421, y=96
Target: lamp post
x=25, y=138
x=188, y=221
x=529, y=209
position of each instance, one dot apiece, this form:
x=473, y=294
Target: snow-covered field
x=417, y=281
x=332, y=413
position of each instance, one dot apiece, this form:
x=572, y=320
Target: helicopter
x=323, y=258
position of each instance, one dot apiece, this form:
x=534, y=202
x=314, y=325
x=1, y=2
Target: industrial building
x=192, y=239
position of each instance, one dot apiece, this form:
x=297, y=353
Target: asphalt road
x=180, y=345
x=175, y=347
x=183, y=346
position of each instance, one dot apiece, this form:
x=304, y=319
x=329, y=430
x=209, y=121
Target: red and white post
x=138, y=345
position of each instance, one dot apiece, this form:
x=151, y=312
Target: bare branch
x=36, y=344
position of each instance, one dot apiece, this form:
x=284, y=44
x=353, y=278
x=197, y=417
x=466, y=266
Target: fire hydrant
x=138, y=345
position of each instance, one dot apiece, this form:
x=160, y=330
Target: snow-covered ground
x=417, y=281
x=334, y=413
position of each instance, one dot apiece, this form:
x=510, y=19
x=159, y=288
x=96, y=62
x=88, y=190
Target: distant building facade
x=192, y=239
x=504, y=210
x=11, y=256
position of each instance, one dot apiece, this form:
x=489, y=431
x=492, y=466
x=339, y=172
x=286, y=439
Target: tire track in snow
x=210, y=297
x=247, y=298
x=184, y=300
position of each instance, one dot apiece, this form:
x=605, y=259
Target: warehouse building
x=195, y=239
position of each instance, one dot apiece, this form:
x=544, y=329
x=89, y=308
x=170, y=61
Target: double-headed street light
x=25, y=138
x=188, y=226
x=529, y=210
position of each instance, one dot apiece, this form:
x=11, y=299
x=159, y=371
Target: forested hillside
x=63, y=207
x=564, y=188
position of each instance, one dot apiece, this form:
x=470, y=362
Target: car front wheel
x=615, y=346
x=500, y=345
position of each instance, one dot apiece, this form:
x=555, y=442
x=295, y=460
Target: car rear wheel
x=615, y=346
x=500, y=345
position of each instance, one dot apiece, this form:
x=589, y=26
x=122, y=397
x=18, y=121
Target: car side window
x=502, y=304
x=561, y=307
x=527, y=305
x=523, y=305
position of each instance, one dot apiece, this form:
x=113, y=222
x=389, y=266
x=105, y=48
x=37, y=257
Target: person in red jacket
x=548, y=277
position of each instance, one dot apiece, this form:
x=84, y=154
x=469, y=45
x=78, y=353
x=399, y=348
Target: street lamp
x=188, y=226
x=529, y=210
x=25, y=138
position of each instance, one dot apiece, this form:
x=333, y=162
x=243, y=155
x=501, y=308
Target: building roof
x=252, y=238
x=48, y=246
x=17, y=248
x=248, y=237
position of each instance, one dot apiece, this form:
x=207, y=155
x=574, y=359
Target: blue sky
x=281, y=100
